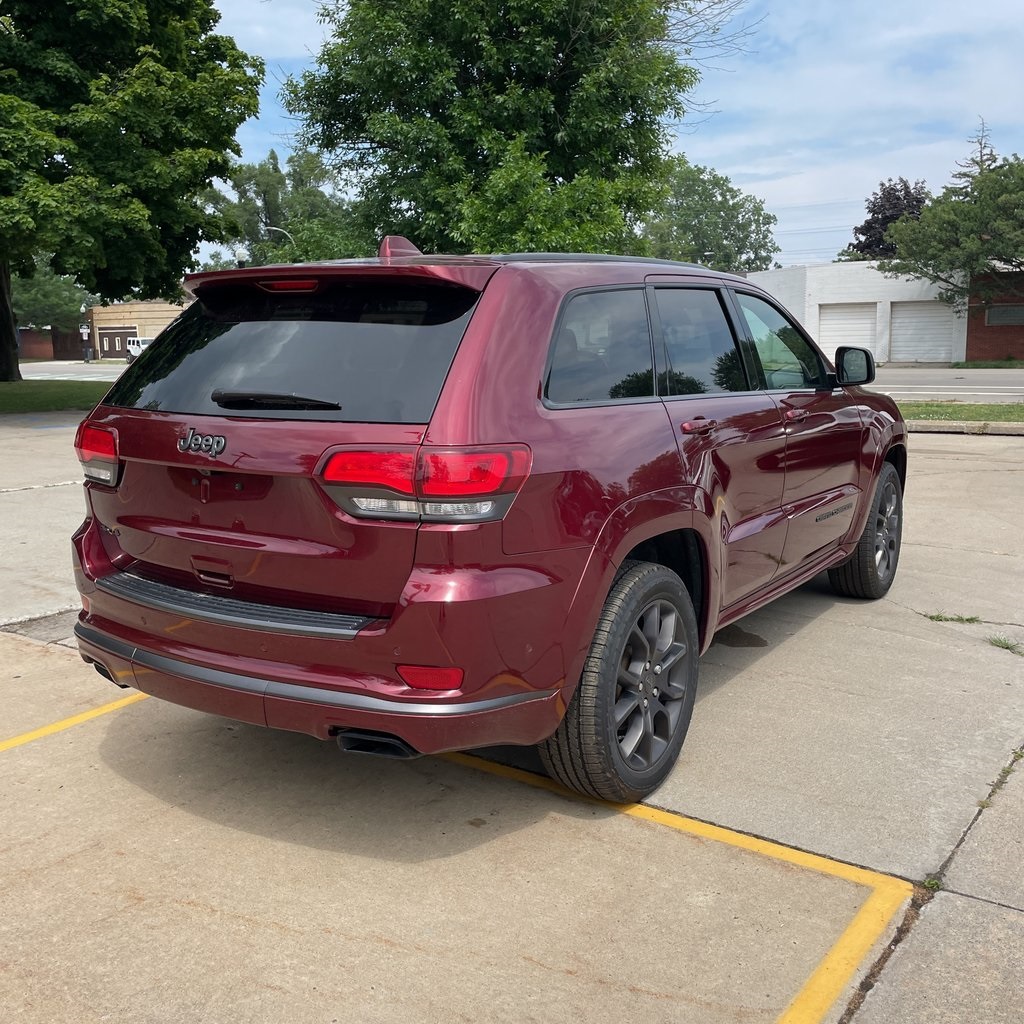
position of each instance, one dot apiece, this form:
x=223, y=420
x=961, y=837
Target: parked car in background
x=427, y=503
x=136, y=346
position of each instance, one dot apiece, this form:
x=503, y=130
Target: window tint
x=381, y=351
x=701, y=351
x=602, y=349
x=787, y=360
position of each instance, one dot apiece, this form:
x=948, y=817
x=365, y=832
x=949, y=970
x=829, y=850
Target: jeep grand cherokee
x=427, y=503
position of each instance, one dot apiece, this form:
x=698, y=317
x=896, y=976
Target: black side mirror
x=854, y=366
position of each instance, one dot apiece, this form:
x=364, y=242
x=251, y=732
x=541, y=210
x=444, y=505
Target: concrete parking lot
x=160, y=864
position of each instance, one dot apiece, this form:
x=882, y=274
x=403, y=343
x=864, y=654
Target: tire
x=624, y=727
x=870, y=570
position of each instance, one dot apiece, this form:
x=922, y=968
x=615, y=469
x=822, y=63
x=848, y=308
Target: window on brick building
x=1004, y=315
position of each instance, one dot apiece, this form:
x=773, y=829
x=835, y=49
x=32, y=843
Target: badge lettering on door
x=202, y=444
x=834, y=512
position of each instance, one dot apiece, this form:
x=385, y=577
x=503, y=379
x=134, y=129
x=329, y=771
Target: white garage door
x=846, y=323
x=922, y=332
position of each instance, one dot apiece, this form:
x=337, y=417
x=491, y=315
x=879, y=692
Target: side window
x=602, y=350
x=786, y=358
x=699, y=344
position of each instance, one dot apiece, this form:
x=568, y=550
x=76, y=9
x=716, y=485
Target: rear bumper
x=430, y=728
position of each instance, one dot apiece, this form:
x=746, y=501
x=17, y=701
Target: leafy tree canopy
x=530, y=124
x=281, y=215
x=115, y=115
x=706, y=219
x=892, y=200
x=47, y=299
x=973, y=228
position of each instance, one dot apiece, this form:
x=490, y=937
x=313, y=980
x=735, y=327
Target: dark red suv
x=427, y=503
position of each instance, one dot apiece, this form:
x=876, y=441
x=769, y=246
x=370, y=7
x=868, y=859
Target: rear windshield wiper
x=267, y=400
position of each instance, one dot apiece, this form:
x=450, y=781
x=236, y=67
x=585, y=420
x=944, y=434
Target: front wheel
x=626, y=722
x=869, y=572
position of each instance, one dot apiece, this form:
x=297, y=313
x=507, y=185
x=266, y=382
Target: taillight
x=97, y=451
x=457, y=473
x=395, y=470
x=431, y=484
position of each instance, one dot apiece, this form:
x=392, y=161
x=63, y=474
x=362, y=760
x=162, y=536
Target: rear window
x=380, y=351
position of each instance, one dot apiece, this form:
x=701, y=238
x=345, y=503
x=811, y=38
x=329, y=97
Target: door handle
x=792, y=415
x=698, y=425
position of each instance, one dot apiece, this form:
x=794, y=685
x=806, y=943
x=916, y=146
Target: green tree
x=892, y=200
x=115, y=116
x=973, y=229
x=286, y=215
x=48, y=299
x=529, y=124
x=706, y=219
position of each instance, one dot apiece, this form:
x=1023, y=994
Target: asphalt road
x=936, y=384
x=908, y=383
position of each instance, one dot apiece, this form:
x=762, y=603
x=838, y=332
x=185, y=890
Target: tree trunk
x=8, y=329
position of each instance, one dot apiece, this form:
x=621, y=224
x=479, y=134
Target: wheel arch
x=897, y=455
x=684, y=551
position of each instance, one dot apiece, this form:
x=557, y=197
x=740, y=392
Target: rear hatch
x=222, y=430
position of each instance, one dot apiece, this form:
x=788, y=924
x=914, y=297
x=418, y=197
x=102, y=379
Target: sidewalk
x=965, y=427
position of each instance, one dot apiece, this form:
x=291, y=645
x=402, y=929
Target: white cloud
x=272, y=29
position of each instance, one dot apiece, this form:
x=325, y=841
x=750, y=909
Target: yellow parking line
x=840, y=963
x=838, y=966
x=67, y=723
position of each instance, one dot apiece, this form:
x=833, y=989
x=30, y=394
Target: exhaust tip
x=105, y=672
x=380, y=744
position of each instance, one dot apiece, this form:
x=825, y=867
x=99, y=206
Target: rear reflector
x=425, y=677
x=97, y=451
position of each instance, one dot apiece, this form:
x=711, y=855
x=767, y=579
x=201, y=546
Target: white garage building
x=900, y=320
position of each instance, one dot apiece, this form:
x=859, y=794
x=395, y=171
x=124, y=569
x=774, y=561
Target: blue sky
x=827, y=100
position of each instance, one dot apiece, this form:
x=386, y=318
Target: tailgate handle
x=215, y=579
x=698, y=425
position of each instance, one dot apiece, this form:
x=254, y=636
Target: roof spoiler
x=397, y=245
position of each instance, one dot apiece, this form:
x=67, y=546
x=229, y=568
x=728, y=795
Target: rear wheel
x=626, y=722
x=869, y=572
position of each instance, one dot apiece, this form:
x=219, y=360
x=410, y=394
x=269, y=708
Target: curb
x=965, y=427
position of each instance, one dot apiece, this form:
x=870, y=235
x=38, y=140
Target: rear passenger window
x=602, y=350
x=700, y=349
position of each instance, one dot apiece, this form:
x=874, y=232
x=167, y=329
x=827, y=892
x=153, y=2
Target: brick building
x=996, y=331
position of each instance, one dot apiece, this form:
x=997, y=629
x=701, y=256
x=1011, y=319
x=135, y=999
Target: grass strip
x=990, y=364
x=984, y=412
x=51, y=395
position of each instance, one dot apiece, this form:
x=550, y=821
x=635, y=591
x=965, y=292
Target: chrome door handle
x=792, y=415
x=698, y=425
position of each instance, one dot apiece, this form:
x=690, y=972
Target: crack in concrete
x=923, y=896
x=39, y=487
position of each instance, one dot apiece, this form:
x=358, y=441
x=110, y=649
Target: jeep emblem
x=205, y=444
